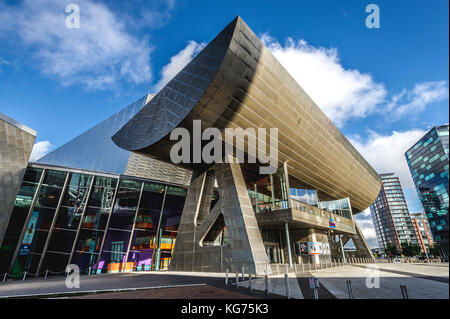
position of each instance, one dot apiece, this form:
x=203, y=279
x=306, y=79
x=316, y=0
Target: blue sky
x=384, y=88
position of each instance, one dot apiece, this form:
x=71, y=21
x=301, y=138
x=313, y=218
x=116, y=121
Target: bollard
x=24, y=275
x=288, y=289
x=90, y=268
x=243, y=276
x=237, y=280
x=303, y=267
x=266, y=284
x=287, y=269
x=4, y=277
x=250, y=282
x=295, y=268
x=309, y=266
x=46, y=273
x=278, y=269
x=316, y=288
x=226, y=277
x=350, y=290
x=404, y=291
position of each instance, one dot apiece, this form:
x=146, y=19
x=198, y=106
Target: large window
x=339, y=207
x=307, y=196
x=146, y=226
x=170, y=221
x=268, y=192
x=94, y=227
x=19, y=215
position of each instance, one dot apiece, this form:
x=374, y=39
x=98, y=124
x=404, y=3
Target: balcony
x=300, y=215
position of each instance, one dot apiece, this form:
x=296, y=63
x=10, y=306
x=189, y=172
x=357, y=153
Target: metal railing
x=313, y=210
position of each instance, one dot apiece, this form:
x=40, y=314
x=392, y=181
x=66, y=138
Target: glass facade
x=428, y=163
x=102, y=223
x=339, y=207
x=268, y=192
x=94, y=150
x=390, y=214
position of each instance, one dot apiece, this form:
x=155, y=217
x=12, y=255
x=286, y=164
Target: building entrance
x=273, y=253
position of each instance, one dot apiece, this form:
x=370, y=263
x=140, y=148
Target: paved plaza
x=423, y=281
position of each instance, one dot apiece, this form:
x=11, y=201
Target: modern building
x=83, y=196
x=101, y=222
x=422, y=231
x=254, y=219
x=94, y=150
x=390, y=214
x=110, y=209
x=428, y=163
x=16, y=143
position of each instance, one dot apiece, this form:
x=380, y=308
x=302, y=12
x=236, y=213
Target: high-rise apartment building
x=422, y=231
x=390, y=214
x=428, y=163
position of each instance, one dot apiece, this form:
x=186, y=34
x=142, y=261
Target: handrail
x=319, y=212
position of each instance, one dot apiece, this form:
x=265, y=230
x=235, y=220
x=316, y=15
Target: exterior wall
x=101, y=222
x=16, y=143
x=390, y=214
x=243, y=248
x=429, y=167
x=147, y=167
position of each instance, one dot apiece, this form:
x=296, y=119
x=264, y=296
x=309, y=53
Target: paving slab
x=425, y=281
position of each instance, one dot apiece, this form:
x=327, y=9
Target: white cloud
x=365, y=223
x=177, y=63
x=341, y=93
x=386, y=153
x=3, y=62
x=98, y=55
x=40, y=149
x=416, y=100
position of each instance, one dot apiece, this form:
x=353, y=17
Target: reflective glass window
x=101, y=197
x=117, y=241
x=75, y=196
x=68, y=217
x=26, y=262
x=85, y=261
x=56, y=263
x=32, y=175
x=48, y=196
x=89, y=241
x=62, y=240
x=95, y=218
x=54, y=178
x=141, y=250
x=41, y=218
x=80, y=180
x=33, y=241
x=112, y=262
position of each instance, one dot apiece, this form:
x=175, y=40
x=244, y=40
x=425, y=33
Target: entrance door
x=273, y=253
